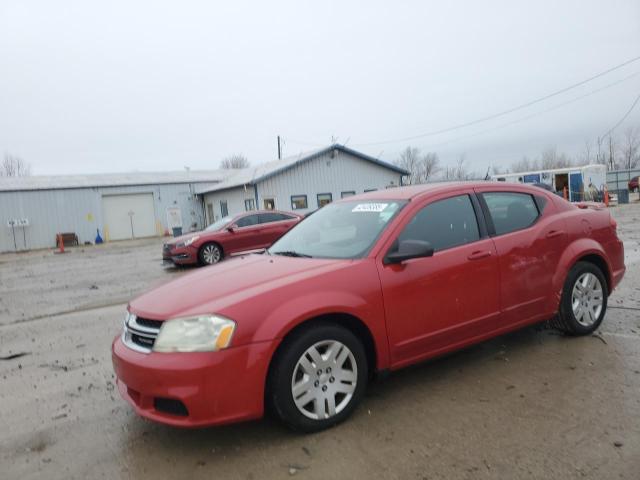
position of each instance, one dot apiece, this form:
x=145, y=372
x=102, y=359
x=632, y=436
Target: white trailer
x=576, y=179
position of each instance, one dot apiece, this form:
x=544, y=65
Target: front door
x=437, y=303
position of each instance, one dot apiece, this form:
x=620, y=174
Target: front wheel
x=318, y=377
x=209, y=254
x=584, y=300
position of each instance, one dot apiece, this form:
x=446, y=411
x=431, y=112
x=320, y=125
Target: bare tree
x=420, y=167
x=13, y=166
x=551, y=159
x=586, y=156
x=631, y=148
x=524, y=165
x=461, y=171
x=235, y=161
x=430, y=165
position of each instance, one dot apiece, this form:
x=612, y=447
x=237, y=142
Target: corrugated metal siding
x=335, y=175
x=80, y=211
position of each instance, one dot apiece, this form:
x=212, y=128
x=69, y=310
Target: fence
x=619, y=179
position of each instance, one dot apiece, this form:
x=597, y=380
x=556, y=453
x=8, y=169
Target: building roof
x=572, y=168
x=253, y=175
x=55, y=182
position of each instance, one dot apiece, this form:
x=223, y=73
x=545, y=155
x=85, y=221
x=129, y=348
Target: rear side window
x=511, y=211
x=445, y=224
x=273, y=217
x=247, y=221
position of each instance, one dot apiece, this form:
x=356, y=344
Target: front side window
x=249, y=204
x=511, y=211
x=324, y=199
x=298, y=202
x=247, y=221
x=219, y=225
x=340, y=230
x=444, y=224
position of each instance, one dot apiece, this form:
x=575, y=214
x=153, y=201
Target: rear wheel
x=584, y=300
x=209, y=254
x=318, y=377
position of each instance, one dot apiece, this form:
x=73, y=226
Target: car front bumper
x=213, y=387
x=180, y=256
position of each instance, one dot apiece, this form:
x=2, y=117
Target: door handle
x=478, y=255
x=554, y=233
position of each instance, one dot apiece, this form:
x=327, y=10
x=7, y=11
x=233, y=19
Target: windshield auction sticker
x=370, y=207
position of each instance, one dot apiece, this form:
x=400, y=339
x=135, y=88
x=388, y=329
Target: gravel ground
x=532, y=404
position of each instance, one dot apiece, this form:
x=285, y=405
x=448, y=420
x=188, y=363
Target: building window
x=224, y=210
x=349, y=193
x=249, y=204
x=370, y=190
x=298, y=202
x=269, y=203
x=324, y=199
x=210, y=218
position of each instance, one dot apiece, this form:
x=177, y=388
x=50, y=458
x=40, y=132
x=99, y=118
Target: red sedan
x=368, y=284
x=255, y=230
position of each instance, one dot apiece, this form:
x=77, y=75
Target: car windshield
x=219, y=224
x=338, y=230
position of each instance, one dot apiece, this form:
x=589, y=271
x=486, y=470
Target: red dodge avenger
x=253, y=230
x=368, y=284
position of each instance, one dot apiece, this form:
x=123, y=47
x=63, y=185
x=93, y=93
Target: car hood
x=214, y=288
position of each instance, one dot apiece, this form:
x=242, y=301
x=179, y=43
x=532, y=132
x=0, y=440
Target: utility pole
x=279, y=149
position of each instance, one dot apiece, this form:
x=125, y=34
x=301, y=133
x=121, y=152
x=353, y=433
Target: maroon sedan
x=245, y=232
x=633, y=184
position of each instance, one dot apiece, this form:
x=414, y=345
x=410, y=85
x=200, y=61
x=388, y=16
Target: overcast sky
x=88, y=86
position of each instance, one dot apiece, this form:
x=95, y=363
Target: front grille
x=140, y=333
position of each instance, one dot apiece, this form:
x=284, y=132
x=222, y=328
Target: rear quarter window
x=511, y=211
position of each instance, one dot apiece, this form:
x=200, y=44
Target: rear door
x=437, y=303
x=529, y=240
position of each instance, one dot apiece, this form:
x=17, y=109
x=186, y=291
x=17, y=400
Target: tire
x=327, y=389
x=210, y=253
x=584, y=300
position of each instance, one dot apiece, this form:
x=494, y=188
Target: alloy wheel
x=211, y=254
x=587, y=299
x=324, y=380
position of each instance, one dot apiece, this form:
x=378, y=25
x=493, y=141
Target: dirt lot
x=527, y=405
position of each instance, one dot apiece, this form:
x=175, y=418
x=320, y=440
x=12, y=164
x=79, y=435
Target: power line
x=624, y=117
x=536, y=114
x=504, y=112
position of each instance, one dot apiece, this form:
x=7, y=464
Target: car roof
x=414, y=191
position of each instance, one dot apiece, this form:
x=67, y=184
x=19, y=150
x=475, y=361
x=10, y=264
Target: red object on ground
x=60, y=243
x=253, y=230
x=500, y=280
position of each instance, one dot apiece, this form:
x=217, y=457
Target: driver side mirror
x=232, y=228
x=408, y=249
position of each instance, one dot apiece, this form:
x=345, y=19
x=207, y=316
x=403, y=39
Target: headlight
x=206, y=333
x=191, y=240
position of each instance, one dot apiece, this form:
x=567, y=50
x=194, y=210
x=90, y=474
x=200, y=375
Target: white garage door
x=129, y=216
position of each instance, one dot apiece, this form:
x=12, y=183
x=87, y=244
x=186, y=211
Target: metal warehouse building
x=301, y=183
x=122, y=206
x=133, y=205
